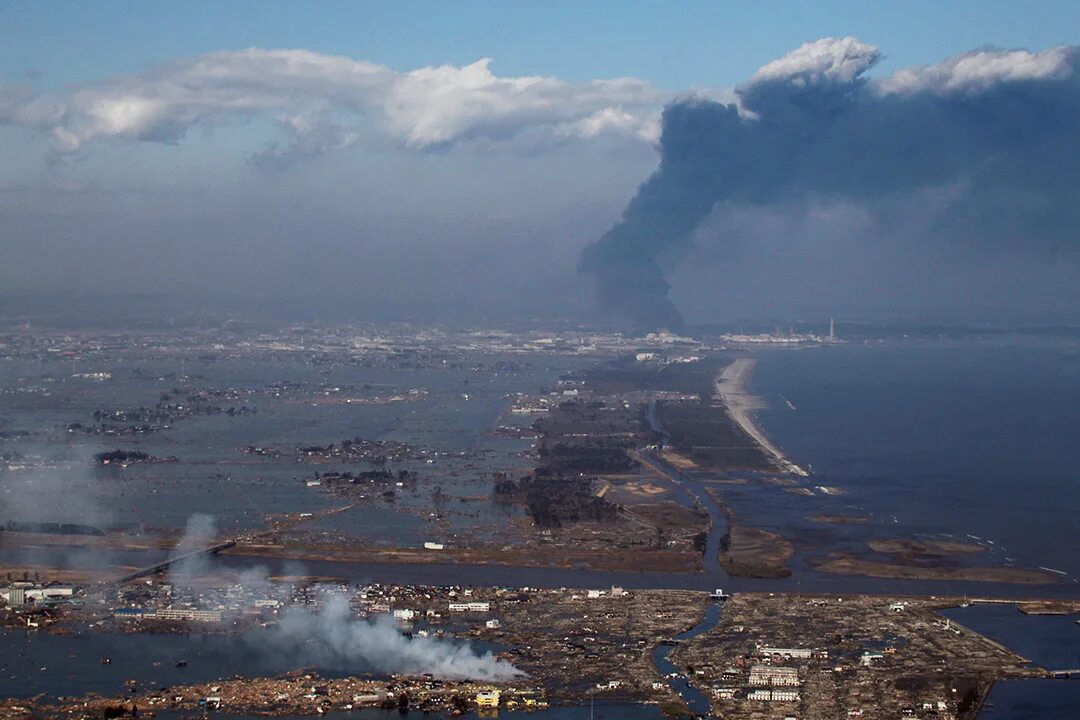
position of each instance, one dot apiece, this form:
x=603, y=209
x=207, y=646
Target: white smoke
x=332, y=636
x=200, y=532
x=64, y=490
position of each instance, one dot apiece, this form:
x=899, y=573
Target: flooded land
x=313, y=520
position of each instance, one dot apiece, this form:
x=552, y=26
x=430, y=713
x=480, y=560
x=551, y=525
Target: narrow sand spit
x=730, y=387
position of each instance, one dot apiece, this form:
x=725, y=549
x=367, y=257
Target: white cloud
x=828, y=59
x=331, y=98
x=980, y=69
x=324, y=103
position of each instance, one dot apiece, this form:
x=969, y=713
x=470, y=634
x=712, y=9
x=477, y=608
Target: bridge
x=1064, y=674
x=165, y=564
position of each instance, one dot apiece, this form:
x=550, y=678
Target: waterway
x=1049, y=641
x=701, y=497
x=696, y=700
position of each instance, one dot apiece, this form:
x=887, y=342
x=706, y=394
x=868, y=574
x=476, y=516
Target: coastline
x=730, y=387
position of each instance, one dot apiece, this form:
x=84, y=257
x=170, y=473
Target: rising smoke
x=996, y=131
x=200, y=532
x=331, y=635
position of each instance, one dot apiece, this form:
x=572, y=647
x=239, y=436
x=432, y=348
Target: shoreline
x=730, y=387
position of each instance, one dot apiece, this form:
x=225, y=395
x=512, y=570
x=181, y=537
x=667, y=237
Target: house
x=868, y=658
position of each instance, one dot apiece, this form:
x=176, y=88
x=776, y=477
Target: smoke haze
x=332, y=636
x=949, y=168
x=200, y=532
x=290, y=184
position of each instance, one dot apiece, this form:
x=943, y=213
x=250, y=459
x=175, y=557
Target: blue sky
x=673, y=45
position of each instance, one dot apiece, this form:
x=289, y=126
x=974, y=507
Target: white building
x=185, y=614
x=774, y=676
x=793, y=653
x=774, y=695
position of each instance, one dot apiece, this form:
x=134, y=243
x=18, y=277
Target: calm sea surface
x=969, y=438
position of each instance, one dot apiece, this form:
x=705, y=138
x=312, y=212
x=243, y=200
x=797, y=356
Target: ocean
x=970, y=438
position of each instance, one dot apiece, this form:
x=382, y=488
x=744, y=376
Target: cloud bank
x=996, y=131
x=323, y=102
x=818, y=180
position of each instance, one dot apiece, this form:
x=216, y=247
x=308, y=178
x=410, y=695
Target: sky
x=454, y=160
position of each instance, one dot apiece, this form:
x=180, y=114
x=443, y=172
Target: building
x=186, y=614
x=368, y=698
x=404, y=614
x=489, y=698
x=868, y=658
x=492, y=624
x=767, y=675
x=433, y=546
x=14, y=596
x=469, y=607
x=167, y=614
x=792, y=653
x=774, y=695
x=49, y=593
x=129, y=613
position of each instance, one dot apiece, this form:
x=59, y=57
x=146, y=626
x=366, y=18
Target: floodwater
x=57, y=665
x=1049, y=641
x=1033, y=700
x=696, y=700
x=215, y=476
x=973, y=440
x=597, y=711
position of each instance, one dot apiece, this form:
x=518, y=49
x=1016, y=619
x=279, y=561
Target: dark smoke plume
x=1004, y=126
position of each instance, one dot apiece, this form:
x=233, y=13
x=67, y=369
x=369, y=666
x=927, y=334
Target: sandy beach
x=730, y=387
